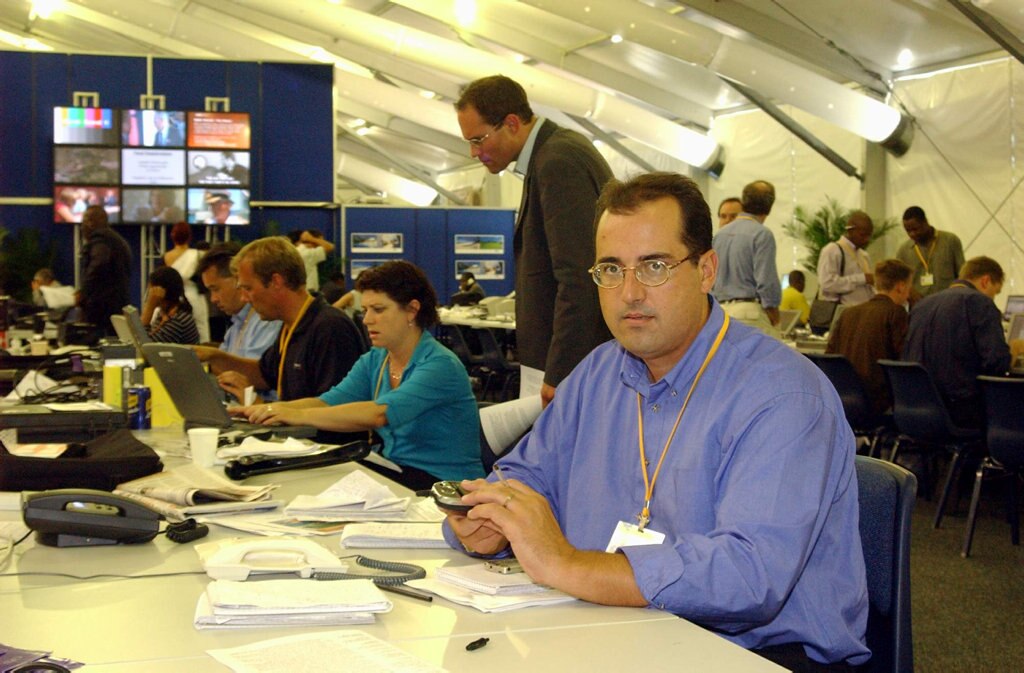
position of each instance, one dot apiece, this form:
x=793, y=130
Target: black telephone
x=75, y=517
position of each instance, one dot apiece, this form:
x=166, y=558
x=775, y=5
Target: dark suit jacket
x=106, y=272
x=867, y=333
x=957, y=334
x=558, y=320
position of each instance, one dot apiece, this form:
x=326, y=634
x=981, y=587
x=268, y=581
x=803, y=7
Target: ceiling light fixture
x=465, y=12
x=44, y=9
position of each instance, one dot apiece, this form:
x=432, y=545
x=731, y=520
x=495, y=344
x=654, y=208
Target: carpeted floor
x=968, y=614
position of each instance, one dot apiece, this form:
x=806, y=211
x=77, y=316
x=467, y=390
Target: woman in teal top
x=408, y=388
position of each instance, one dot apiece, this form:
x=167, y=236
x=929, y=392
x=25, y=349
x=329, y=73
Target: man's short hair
x=44, y=276
x=889, y=272
x=976, y=267
x=796, y=276
x=402, y=282
x=219, y=257
x=758, y=197
x=495, y=98
x=622, y=198
x=96, y=217
x=270, y=255
x=915, y=213
x=729, y=199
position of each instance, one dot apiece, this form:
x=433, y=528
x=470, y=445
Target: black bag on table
x=102, y=464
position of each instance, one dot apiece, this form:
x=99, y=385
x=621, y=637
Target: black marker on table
x=477, y=644
x=406, y=591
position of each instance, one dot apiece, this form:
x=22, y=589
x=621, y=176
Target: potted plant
x=817, y=229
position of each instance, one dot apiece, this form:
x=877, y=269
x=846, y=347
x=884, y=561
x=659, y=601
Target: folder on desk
x=198, y=398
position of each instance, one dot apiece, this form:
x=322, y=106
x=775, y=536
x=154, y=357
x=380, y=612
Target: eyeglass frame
x=480, y=140
x=635, y=269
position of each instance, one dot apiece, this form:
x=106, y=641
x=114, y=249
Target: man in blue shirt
x=730, y=451
x=748, y=286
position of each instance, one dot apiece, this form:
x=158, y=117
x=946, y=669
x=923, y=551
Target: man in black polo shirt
x=318, y=344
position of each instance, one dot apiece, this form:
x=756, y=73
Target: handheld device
x=505, y=566
x=448, y=495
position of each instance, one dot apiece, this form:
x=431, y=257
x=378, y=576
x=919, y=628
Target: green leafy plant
x=817, y=229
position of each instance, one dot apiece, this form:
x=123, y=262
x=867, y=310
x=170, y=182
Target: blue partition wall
x=429, y=241
x=291, y=109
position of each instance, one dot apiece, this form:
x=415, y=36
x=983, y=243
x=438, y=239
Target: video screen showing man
x=153, y=128
x=218, y=168
x=220, y=206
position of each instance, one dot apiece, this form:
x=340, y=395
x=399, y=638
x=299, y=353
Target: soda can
x=140, y=408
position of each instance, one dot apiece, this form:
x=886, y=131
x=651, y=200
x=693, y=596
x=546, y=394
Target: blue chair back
x=886, y=493
x=917, y=406
x=849, y=385
x=1004, y=415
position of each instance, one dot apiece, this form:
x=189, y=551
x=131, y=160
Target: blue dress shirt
x=757, y=496
x=746, y=270
x=433, y=422
x=249, y=334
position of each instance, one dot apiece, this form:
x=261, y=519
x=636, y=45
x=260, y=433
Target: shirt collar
x=240, y=317
x=523, y=160
x=634, y=372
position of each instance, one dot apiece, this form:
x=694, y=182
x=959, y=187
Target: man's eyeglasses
x=479, y=140
x=650, y=272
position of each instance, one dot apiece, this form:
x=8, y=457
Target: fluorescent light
x=44, y=9
x=905, y=58
x=20, y=42
x=616, y=38
x=465, y=12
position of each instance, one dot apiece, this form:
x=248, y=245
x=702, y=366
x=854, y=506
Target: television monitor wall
x=86, y=165
x=223, y=167
x=152, y=128
x=163, y=205
x=85, y=126
x=153, y=167
x=218, y=206
x=219, y=130
x=70, y=201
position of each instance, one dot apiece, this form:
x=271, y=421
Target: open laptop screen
x=1014, y=305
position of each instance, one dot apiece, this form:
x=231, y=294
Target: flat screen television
x=164, y=167
x=70, y=201
x=219, y=130
x=152, y=128
x=145, y=205
x=86, y=165
x=218, y=206
x=218, y=168
x=85, y=126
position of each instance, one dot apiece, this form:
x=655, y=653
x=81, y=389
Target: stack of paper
x=291, y=602
x=393, y=535
x=191, y=490
x=477, y=587
x=356, y=497
x=252, y=446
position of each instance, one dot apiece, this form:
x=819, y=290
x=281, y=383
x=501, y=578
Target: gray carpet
x=968, y=614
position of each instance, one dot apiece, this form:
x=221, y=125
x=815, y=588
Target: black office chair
x=1004, y=400
x=860, y=413
x=922, y=419
x=493, y=357
x=886, y=493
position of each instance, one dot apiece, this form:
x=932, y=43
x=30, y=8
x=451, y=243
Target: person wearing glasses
x=557, y=317
x=693, y=465
x=748, y=286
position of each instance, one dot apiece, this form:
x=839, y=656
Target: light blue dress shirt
x=249, y=335
x=757, y=496
x=746, y=269
x=433, y=422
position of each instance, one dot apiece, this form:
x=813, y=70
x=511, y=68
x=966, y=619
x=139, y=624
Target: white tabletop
x=120, y=625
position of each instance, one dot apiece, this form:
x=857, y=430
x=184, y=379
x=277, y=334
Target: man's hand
x=234, y=383
x=547, y=393
x=869, y=278
x=773, y=315
x=204, y=353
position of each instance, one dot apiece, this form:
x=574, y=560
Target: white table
x=116, y=625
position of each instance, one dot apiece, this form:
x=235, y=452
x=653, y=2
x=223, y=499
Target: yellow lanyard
x=645, y=514
x=284, y=339
x=930, y=251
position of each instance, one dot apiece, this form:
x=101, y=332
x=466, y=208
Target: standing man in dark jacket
x=106, y=270
x=558, y=320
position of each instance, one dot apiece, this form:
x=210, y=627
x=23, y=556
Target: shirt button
x=655, y=407
x=674, y=394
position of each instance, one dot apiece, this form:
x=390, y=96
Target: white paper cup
x=203, y=444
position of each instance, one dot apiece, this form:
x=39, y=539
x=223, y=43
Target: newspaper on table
x=289, y=447
x=355, y=497
x=190, y=489
x=291, y=602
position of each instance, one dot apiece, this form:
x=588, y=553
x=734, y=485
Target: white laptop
x=788, y=320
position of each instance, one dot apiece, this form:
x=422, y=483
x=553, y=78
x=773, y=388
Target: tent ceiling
x=863, y=43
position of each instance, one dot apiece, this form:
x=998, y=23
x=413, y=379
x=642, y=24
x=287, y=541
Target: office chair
x=921, y=418
x=493, y=358
x=1004, y=399
x=886, y=494
x=860, y=413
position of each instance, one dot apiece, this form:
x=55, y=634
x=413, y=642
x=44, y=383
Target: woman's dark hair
x=174, y=288
x=402, y=282
x=181, y=233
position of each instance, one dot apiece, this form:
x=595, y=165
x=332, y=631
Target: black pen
x=406, y=591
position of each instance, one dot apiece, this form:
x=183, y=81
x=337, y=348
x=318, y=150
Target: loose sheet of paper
x=360, y=652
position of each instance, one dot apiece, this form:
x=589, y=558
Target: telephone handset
x=237, y=560
x=84, y=517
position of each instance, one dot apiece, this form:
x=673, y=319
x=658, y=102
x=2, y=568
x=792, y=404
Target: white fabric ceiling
x=863, y=44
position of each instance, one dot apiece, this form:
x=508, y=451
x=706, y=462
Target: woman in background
x=408, y=388
x=185, y=260
x=167, y=314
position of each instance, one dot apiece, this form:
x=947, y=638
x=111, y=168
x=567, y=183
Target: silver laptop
x=788, y=321
x=198, y=398
x=130, y=330
x=1015, y=333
